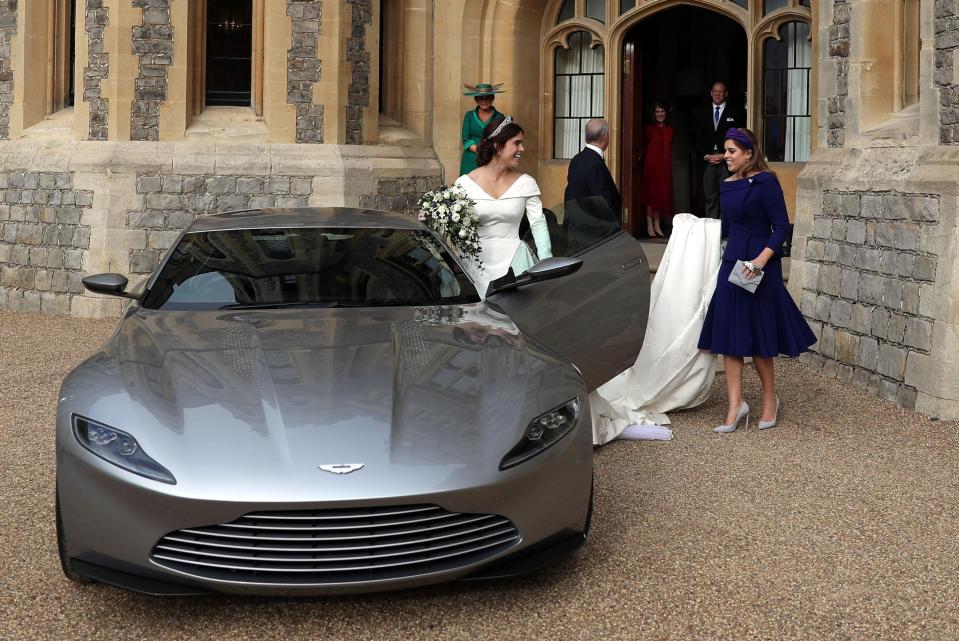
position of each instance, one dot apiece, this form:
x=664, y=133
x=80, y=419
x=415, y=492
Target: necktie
x=716, y=118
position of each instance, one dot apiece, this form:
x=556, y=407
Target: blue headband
x=740, y=137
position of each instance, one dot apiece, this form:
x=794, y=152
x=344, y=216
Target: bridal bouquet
x=449, y=212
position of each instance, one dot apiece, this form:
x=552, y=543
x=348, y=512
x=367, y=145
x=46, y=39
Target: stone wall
x=399, y=194
x=839, y=43
x=153, y=44
x=173, y=201
x=87, y=207
x=359, y=58
x=42, y=240
x=946, y=27
x=868, y=287
x=8, y=29
x=304, y=68
x=96, y=19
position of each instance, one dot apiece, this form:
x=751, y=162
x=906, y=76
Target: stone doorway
x=229, y=52
x=675, y=55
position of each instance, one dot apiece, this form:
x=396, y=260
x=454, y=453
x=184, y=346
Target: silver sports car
x=318, y=401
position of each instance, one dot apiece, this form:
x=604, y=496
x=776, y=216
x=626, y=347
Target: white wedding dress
x=671, y=372
x=499, y=229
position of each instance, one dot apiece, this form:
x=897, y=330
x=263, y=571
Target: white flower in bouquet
x=451, y=214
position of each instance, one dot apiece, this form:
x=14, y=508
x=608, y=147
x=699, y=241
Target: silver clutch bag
x=749, y=284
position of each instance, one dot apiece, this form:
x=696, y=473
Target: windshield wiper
x=326, y=304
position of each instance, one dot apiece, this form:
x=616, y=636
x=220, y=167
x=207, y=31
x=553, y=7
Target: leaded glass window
x=596, y=9
x=579, y=90
x=787, y=65
x=773, y=5
x=567, y=11
x=626, y=5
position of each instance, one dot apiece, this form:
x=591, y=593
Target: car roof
x=304, y=217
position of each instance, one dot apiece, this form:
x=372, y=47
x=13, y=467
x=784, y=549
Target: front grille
x=336, y=546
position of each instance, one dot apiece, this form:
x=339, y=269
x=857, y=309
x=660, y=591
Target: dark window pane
x=626, y=5
x=309, y=266
x=742, y=3
x=596, y=9
x=787, y=66
x=772, y=5
x=804, y=3
x=229, y=52
x=578, y=92
x=567, y=11
x=775, y=138
x=773, y=92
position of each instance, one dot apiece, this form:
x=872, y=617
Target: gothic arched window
x=579, y=90
x=787, y=66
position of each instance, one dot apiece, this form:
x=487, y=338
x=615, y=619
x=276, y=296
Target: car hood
x=424, y=398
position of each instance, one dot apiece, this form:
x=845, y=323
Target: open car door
x=596, y=316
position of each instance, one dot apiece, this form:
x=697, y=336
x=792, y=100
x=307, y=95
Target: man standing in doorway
x=588, y=174
x=709, y=132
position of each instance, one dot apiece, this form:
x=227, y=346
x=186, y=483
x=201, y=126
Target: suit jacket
x=588, y=175
x=705, y=136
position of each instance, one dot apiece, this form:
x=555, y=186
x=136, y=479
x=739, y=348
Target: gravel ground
x=841, y=523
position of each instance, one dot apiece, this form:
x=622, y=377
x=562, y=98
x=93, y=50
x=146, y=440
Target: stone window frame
x=59, y=45
x=196, y=83
x=593, y=44
x=890, y=68
x=908, y=24
x=48, y=24
x=770, y=28
x=400, y=75
x=559, y=38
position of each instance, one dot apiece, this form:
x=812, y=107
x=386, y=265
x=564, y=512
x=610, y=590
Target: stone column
x=278, y=112
x=117, y=86
x=8, y=29
x=153, y=45
x=334, y=82
x=946, y=27
x=176, y=112
x=362, y=53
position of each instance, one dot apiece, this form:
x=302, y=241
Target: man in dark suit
x=710, y=125
x=588, y=174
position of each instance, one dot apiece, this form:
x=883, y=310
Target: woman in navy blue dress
x=764, y=323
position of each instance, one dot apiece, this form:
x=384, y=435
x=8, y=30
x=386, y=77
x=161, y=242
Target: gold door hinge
x=625, y=216
x=626, y=66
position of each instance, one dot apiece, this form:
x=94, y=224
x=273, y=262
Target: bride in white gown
x=671, y=372
x=502, y=195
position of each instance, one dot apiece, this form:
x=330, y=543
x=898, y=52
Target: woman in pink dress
x=657, y=185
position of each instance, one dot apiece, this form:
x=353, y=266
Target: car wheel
x=68, y=570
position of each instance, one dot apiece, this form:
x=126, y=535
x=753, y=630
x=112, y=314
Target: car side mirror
x=108, y=284
x=546, y=269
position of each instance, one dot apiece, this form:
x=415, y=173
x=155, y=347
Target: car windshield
x=326, y=267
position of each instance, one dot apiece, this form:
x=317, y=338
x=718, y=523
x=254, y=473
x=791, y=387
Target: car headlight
x=543, y=432
x=119, y=448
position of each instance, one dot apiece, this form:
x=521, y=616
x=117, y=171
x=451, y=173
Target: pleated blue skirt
x=764, y=323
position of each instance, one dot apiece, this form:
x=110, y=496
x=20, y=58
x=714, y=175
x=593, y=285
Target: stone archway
x=658, y=65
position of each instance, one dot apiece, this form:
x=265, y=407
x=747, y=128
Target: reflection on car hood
x=226, y=397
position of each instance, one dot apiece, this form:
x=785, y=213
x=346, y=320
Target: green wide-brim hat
x=482, y=89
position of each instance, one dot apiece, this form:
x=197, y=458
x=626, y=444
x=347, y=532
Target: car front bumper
x=112, y=521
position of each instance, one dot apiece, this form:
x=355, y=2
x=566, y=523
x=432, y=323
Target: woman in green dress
x=475, y=121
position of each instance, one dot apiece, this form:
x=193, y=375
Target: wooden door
x=631, y=143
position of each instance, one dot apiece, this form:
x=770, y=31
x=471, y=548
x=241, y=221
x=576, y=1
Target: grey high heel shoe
x=765, y=425
x=743, y=413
